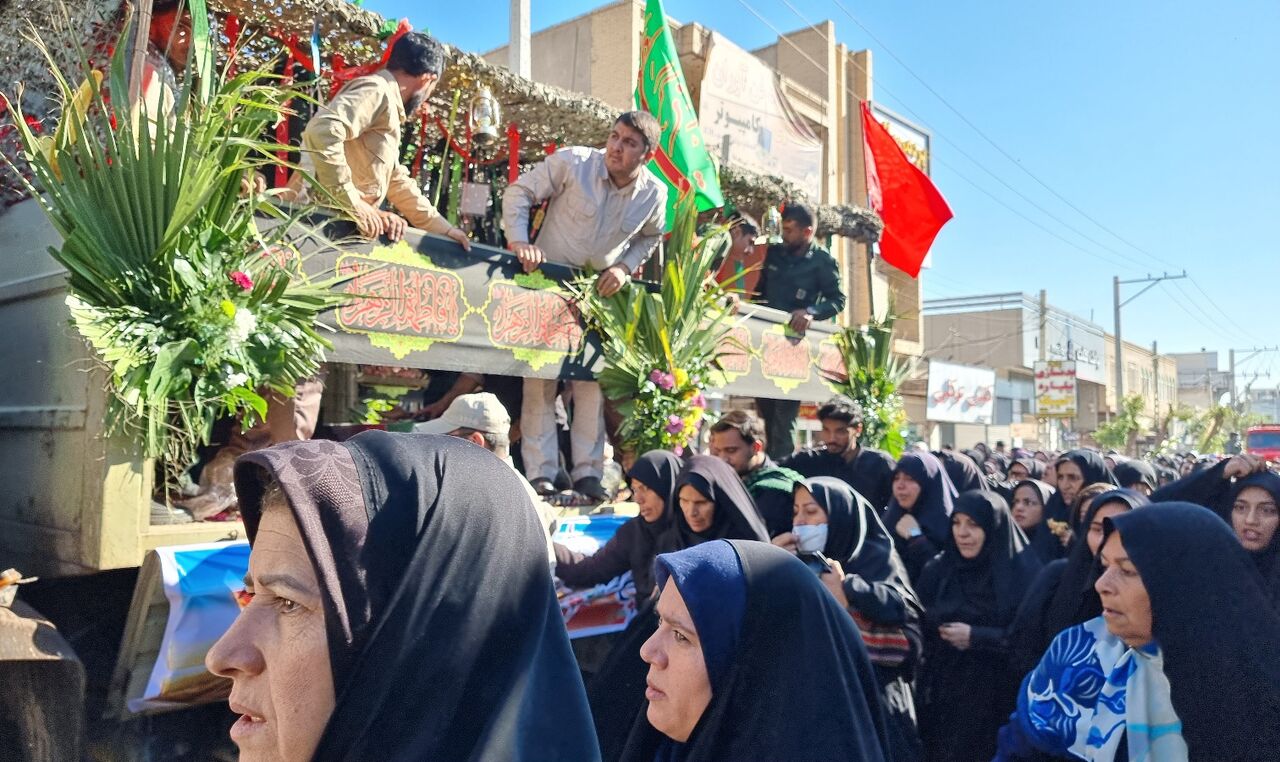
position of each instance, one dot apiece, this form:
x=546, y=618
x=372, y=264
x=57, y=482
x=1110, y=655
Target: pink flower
x=698, y=401
x=675, y=424
x=678, y=450
x=663, y=379
x=241, y=279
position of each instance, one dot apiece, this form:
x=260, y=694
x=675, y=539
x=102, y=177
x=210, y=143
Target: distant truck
x=1263, y=441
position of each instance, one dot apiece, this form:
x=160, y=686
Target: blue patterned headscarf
x=1090, y=691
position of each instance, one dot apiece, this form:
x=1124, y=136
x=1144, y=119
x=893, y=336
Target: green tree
x=1120, y=432
x=873, y=375
x=1211, y=429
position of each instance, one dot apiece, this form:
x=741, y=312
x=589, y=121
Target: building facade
x=1009, y=332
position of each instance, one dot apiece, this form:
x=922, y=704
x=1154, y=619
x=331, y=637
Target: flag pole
x=138, y=57
x=871, y=282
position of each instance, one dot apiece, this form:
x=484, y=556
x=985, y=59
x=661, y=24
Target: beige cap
x=480, y=412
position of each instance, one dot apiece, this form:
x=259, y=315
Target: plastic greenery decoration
x=190, y=304
x=661, y=347
x=872, y=378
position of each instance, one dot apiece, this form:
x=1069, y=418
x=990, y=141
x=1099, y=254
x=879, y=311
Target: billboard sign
x=741, y=107
x=1056, y=388
x=960, y=393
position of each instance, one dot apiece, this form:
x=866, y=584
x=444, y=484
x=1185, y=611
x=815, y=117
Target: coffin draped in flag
x=682, y=160
x=905, y=198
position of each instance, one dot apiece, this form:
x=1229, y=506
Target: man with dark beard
x=867, y=470
x=738, y=439
x=353, y=144
x=803, y=280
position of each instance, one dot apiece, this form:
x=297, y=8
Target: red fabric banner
x=905, y=198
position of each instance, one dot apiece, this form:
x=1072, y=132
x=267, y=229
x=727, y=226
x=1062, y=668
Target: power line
x=985, y=137
x=1123, y=262
x=1029, y=220
x=1020, y=166
x=1222, y=312
x=1205, y=316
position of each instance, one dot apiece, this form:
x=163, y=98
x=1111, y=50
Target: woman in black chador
x=971, y=593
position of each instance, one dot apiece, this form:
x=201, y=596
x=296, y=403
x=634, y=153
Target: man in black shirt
x=803, y=280
x=868, y=471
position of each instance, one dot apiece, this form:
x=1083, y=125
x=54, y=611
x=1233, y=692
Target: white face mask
x=810, y=538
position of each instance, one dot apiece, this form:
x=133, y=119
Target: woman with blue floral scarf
x=1181, y=664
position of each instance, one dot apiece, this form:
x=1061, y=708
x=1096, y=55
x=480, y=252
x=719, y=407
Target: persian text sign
x=1055, y=389
x=740, y=103
x=960, y=393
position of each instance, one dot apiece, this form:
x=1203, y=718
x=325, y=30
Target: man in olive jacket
x=802, y=279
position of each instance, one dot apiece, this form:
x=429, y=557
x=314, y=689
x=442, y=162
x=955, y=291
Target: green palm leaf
x=153, y=224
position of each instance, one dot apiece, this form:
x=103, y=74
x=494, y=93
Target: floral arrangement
x=661, y=347
x=195, y=309
x=673, y=403
x=872, y=378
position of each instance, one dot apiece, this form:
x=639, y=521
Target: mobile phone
x=815, y=561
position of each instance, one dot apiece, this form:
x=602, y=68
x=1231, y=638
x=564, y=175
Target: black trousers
x=779, y=425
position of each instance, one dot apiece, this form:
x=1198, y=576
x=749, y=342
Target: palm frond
x=169, y=276
x=661, y=347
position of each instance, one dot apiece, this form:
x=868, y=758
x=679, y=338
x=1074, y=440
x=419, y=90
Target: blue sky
x=1158, y=120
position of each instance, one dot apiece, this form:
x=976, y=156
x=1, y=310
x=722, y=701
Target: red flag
x=912, y=208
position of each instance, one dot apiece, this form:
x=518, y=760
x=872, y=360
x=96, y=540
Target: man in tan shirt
x=353, y=144
x=607, y=211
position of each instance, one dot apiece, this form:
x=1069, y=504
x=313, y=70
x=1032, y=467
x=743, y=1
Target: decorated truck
x=83, y=507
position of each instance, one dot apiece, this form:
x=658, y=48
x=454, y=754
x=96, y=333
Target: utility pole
x=1116, y=284
x=1231, y=383
x=1044, y=324
x=1231, y=355
x=518, y=53
x=1155, y=377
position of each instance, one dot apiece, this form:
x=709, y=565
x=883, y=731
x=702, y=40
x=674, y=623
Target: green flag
x=682, y=160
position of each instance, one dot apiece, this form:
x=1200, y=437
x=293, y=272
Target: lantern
x=773, y=225
x=484, y=113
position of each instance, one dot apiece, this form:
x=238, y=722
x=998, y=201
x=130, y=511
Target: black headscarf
x=962, y=470
x=1092, y=465
x=1035, y=468
x=1094, y=469
x=445, y=637
x=1130, y=473
x=932, y=510
x=1007, y=564
x=1215, y=628
x=1042, y=539
x=658, y=470
x=799, y=687
x=1267, y=559
x=1075, y=600
x=855, y=536
x=736, y=517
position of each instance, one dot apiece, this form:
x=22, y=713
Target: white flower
x=237, y=379
x=243, y=326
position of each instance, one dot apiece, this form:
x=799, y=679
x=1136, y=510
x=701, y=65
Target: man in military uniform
x=803, y=280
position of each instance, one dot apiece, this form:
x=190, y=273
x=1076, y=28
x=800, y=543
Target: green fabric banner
x=682, y=160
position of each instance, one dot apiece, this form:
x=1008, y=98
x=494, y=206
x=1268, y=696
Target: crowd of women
x=1020, y=608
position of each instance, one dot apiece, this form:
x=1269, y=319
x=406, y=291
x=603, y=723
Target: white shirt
x=590, y=222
